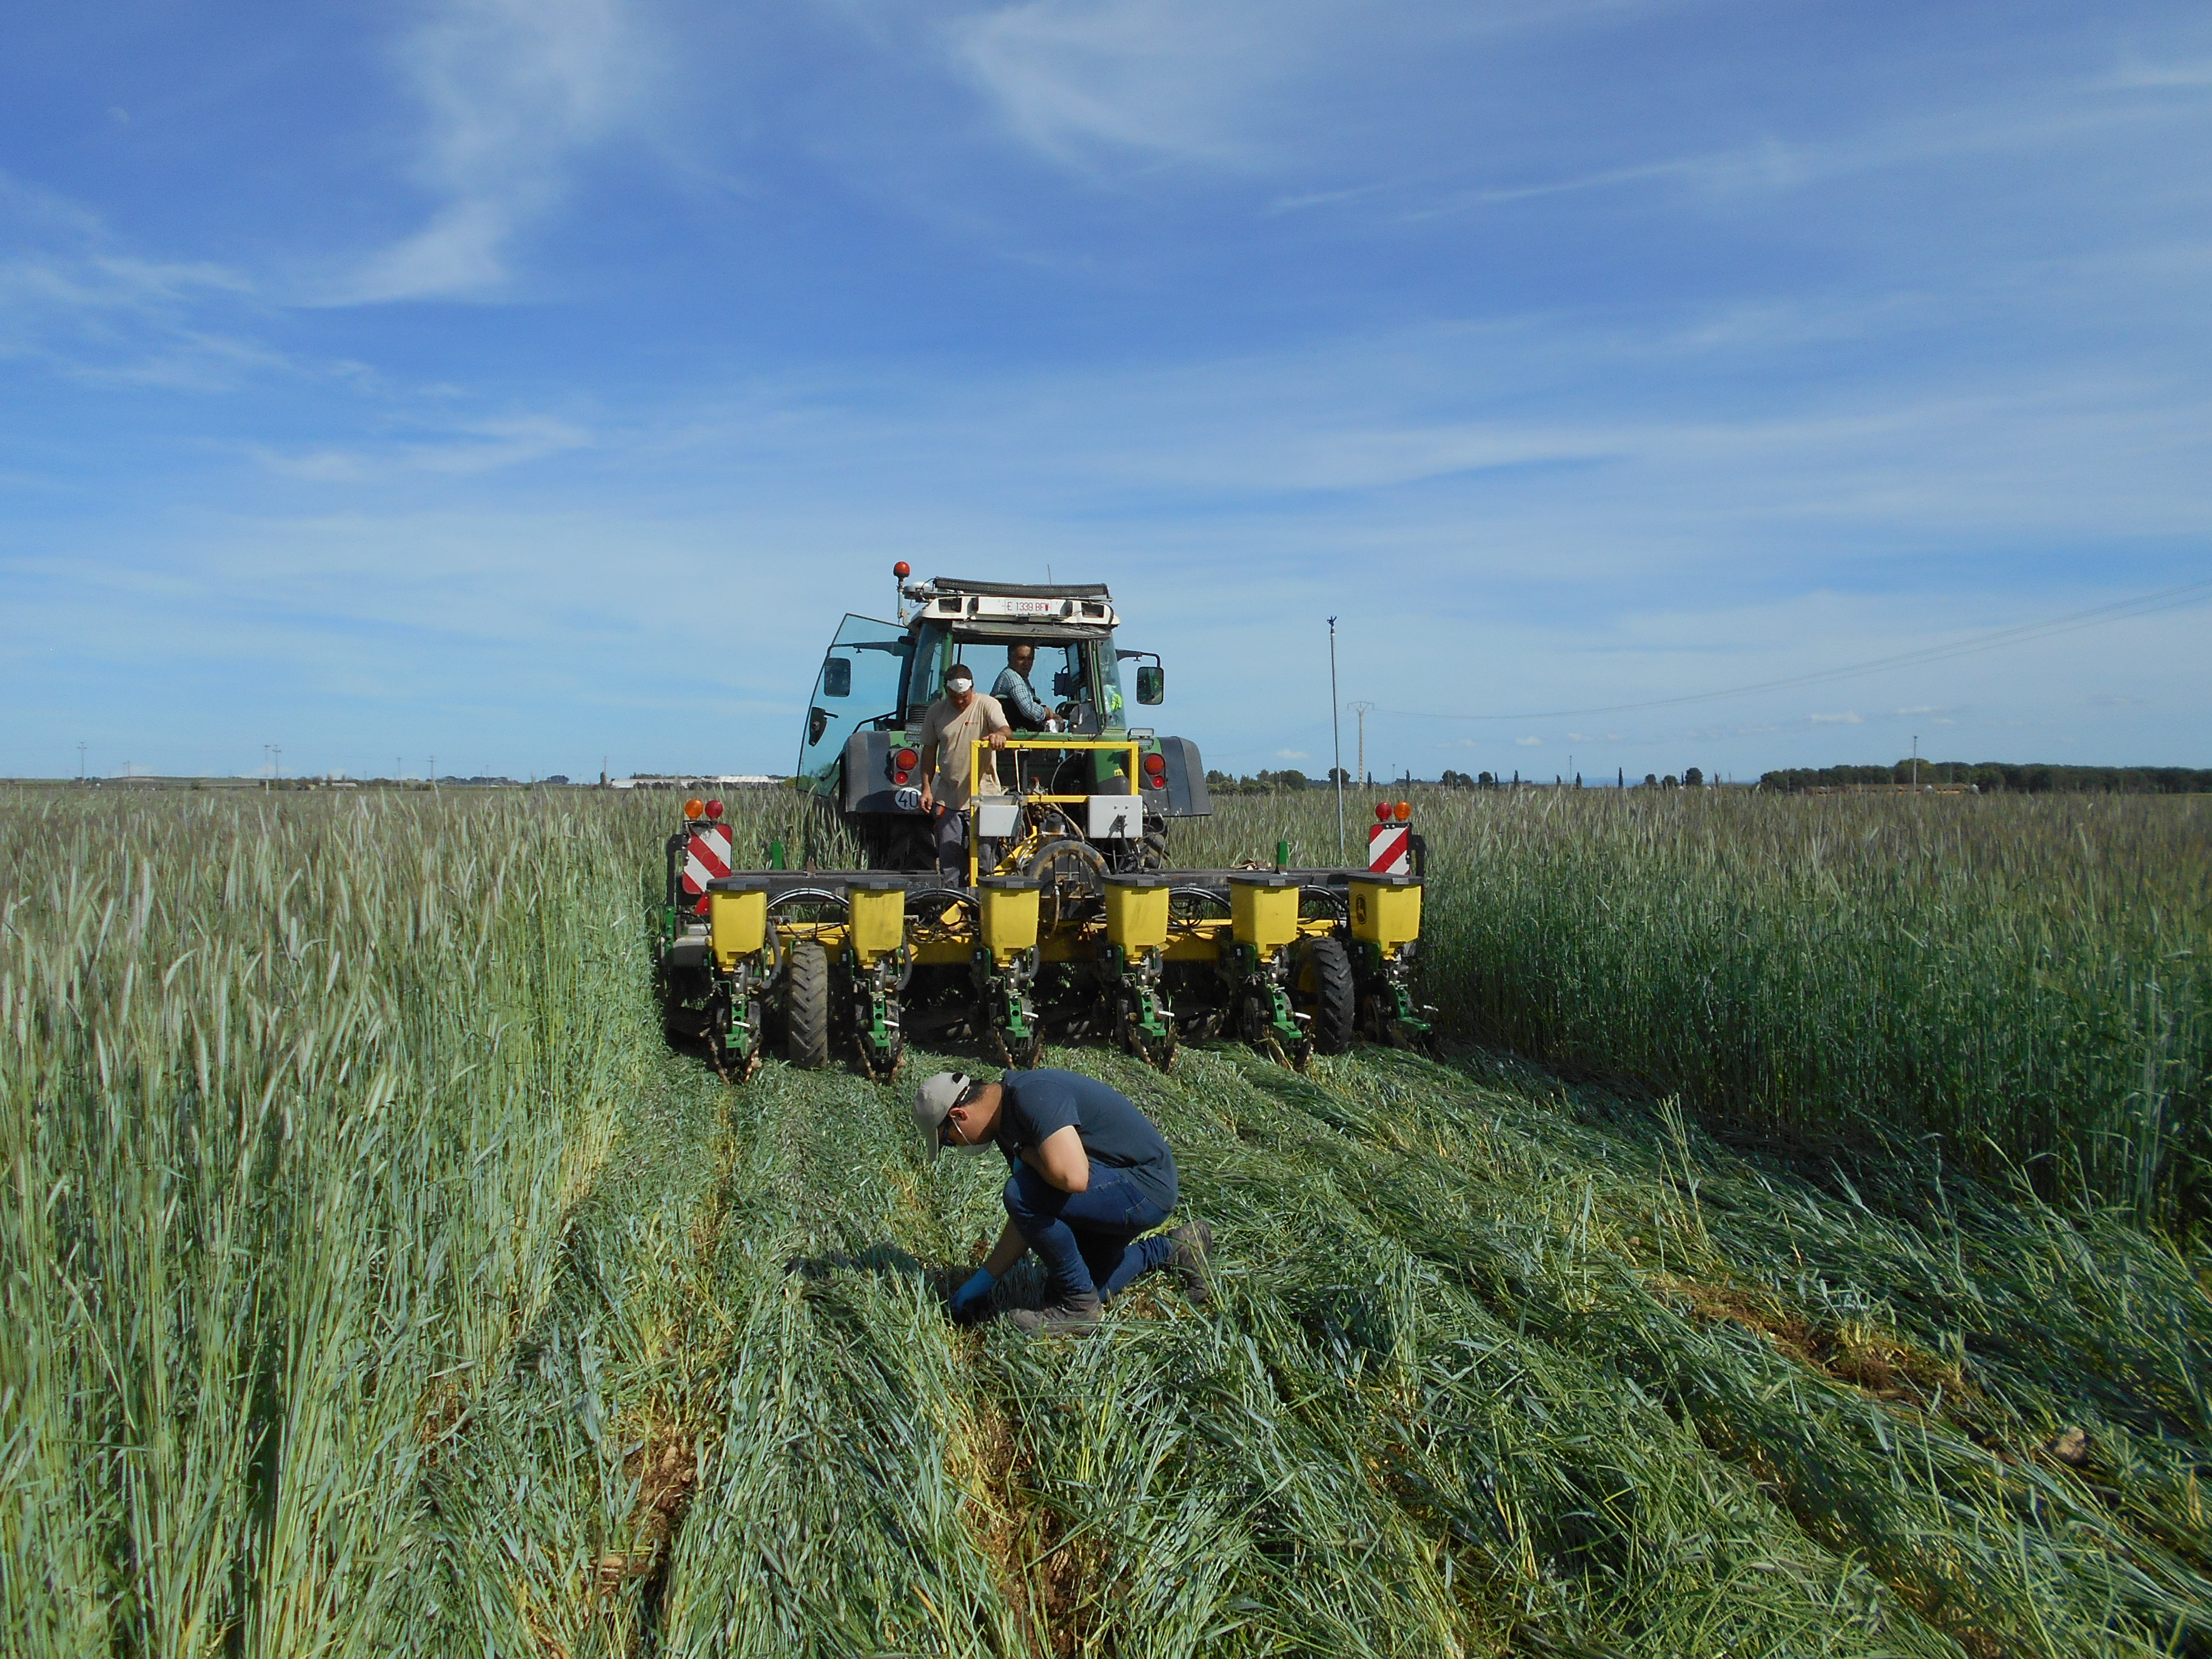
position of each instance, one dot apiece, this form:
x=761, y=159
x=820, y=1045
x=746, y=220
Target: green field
x=1797, y=1247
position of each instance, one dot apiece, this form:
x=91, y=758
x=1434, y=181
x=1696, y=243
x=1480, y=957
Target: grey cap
x=936, y=1096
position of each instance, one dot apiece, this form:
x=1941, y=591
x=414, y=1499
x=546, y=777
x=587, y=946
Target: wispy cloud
x=1137, y=76
x=2139, y=73
x=73, y=296
x=1845, y=718
x=466, y=450
x=1528, y=742
x=512, y=91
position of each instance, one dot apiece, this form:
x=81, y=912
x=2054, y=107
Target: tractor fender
x=1185, y=796
x=865, y=785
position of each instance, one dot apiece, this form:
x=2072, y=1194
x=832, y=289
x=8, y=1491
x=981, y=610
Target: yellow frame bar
x=1134, y=747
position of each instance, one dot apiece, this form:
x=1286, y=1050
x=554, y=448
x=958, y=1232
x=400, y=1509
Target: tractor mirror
x=837, y=677
x=1152, y=684
x=818, y=722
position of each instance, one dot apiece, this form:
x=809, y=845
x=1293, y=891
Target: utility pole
x=1915, y=763
x=432, y=775
x=277, y=749
x=1335, y=741
x=1360, y=709
x=80, y=763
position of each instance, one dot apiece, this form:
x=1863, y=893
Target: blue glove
x=968, y=1301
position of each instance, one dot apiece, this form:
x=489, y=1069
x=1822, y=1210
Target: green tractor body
x=859, y=747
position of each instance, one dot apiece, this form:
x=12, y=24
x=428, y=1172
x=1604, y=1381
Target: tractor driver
x=953, y=723
x=1016, y=696
x=1087, y=1173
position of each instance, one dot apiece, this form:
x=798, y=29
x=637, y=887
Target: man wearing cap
x=951, y=725
x=1088, y=1175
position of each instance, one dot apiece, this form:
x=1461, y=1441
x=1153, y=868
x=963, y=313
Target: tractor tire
x=1328, y=980
x=806, y=1007
x=1074, y=877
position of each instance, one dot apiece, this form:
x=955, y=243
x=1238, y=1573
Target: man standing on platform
x=948, y=731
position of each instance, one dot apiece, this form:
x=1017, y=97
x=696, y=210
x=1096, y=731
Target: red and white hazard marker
x=706, y=857
x=1390, y=841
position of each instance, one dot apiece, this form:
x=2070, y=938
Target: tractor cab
x=860, y=743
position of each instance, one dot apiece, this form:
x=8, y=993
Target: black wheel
x=806, y=1006
x=1016, y=1056
x=892, y=841
x=1158, y=1051
x=1327, y=986
x=877, y=1067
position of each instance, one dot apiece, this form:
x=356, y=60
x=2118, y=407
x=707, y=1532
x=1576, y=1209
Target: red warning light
x=714, y=809
x=1381, y=812
x=902, y=570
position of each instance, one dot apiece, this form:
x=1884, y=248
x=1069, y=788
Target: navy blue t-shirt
x=1114, y=1132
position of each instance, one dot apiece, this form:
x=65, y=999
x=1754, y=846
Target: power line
x=2143, y=604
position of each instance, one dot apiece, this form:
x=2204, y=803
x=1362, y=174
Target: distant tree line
x=1285, y=782
x=1991, y=776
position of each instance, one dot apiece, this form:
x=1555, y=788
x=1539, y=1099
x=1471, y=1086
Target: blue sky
x=528, y=383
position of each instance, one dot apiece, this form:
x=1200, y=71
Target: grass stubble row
x=436, y=1310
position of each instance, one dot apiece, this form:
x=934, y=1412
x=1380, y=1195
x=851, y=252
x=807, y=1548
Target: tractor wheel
x=1158, y=1051
x=1016, y=1056
x=1328, y=980
x=806, y=1006
x=1074, y=873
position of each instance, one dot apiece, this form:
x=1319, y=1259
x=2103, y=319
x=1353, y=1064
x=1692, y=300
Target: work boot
x=1078, y=1315
x=1192, y=1261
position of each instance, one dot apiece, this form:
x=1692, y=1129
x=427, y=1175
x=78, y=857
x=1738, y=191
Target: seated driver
x=1026, y=710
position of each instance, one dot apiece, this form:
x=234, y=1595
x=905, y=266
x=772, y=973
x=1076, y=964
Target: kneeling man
x=1088, y=1173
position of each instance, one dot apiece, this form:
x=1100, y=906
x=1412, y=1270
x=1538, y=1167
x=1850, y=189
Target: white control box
x=997, y=818
x=1115, y=817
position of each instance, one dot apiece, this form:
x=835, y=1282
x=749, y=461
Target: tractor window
x=926, y=681
x=1082, y=684
x=859, y=682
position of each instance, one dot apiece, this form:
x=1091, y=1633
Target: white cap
x=937, y=1096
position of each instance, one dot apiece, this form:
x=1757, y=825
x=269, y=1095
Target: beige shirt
x=952, y=729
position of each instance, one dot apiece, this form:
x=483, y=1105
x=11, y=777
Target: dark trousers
x=1087, y=1240
x=952, y=835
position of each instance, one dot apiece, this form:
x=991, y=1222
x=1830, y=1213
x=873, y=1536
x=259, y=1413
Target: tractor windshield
x=1077, y=676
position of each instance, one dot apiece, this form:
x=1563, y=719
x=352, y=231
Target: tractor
x=861, y=747
x=1066, y=920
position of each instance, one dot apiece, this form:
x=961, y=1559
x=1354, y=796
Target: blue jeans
x=1085, y=1238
